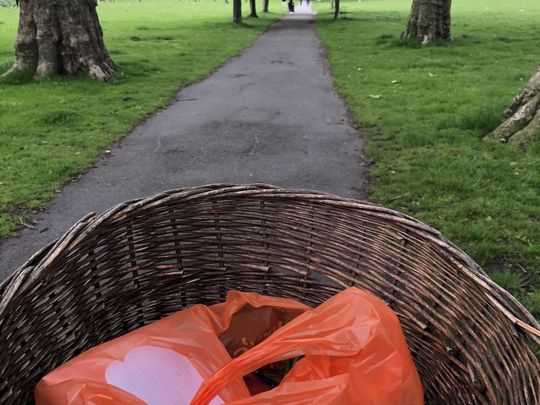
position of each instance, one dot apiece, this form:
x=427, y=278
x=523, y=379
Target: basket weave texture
x=145, y=259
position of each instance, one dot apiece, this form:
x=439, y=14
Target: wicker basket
x=147, y=258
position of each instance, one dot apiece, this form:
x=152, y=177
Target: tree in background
x=253, y=8
x=429, y=20
x=336, y=9
x=237, y=11
x=522, y=123
x=61, y=37
x=265, y=6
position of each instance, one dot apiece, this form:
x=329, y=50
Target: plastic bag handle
x=343, y=326
x=253, y=359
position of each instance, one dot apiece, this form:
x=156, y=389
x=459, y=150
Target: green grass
x=51, y=130
x=424, y=112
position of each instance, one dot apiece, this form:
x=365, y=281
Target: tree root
x=522, y=123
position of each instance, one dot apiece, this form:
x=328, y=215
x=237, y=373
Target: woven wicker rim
x=23, y=277
x=511, y=371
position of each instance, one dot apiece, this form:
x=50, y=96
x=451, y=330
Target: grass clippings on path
x=424, y=111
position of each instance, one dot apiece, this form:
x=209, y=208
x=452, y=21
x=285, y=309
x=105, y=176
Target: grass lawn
x=424, y=111
x=51, y=130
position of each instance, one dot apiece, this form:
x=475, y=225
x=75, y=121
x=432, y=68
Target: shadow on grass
x=365, y=17
x=484, y=118
x=17, y=77
x=58, y=117
x=507, y=40
x=138, y=68
x=394, y=41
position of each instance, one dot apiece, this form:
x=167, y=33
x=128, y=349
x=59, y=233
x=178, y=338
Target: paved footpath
x=268, y=116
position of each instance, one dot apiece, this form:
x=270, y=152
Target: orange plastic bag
x=191, y=343
x=354, y=353
x=353, y=347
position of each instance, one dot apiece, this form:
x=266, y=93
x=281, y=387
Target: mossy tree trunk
x=522, y=123
x=61, y=37
x=429, y=21
x=253, y=8
x=237, y=11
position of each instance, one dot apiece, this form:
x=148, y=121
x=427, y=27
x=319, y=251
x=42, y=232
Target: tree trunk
x=429, y=20
x=265, y=6
x=522, y=123
x=61, y=36
x=237, y=11
x=253, y=8
x=336, y=9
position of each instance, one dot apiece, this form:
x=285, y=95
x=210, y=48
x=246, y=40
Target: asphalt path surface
x=270, y=115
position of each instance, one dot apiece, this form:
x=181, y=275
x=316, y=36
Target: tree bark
x=237, y=11
x=265, y=6
x=336, y=9
x=253, y=8
x=61, y=36
x=429, y=20
x=522, y=122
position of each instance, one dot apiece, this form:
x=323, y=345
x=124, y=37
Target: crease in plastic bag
x=354, y=353
x=353, y=347
x=154, y=377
